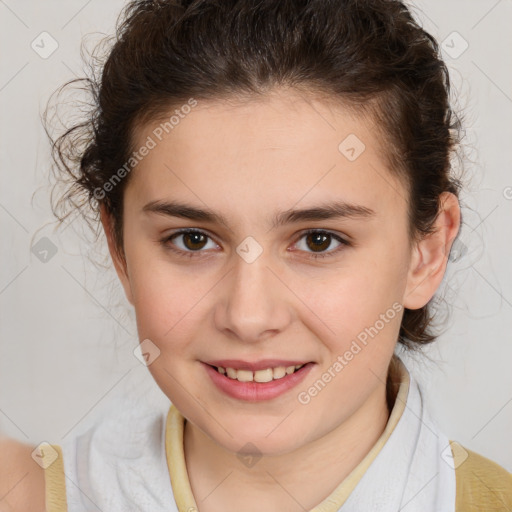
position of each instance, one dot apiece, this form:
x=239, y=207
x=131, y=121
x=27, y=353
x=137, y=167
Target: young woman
x=273, y=179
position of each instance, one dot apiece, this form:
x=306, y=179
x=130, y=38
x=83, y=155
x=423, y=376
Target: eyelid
x=321, y=230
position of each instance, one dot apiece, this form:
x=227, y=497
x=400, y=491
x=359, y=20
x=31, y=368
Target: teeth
x=279, y=372
x=243, y=375
x=265, y=375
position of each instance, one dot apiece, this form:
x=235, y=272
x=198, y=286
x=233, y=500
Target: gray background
x=67, y=333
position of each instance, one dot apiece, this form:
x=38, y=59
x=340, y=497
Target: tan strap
x=482, y=485
x=55, y=480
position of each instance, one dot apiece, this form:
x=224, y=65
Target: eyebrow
x=325, y=211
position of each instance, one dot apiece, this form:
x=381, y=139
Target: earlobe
x=119, y=264
x=430, y=255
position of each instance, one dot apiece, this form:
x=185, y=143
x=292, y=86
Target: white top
x=132, y=459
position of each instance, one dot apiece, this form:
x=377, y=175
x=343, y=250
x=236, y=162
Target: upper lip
x=254, y=366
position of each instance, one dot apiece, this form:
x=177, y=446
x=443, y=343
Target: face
x=257, y=286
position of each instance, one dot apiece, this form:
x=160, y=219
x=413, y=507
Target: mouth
x=254, y=382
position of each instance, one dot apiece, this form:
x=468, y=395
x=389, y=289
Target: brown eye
x=316, y=243
x=193, y=240
x=188, y=242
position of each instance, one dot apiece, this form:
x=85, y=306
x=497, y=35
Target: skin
x=247, y=161
x=21, y=478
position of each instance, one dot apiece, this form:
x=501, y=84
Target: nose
x=255, y=303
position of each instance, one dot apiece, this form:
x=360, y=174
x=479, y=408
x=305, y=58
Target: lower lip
x=257, y=391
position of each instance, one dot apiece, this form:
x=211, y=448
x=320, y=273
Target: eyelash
x=194, y=254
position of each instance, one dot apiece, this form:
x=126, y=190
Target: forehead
x=282, y=148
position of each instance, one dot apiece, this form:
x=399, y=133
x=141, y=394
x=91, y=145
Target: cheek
x=361, y=303
x=163, y=301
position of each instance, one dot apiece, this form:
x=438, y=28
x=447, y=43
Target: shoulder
x=22, y=484
x=481, y=483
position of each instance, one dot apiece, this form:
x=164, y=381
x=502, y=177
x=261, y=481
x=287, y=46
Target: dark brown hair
x=370, y=55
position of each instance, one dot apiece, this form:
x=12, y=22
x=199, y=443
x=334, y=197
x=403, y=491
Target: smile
x=266, y=380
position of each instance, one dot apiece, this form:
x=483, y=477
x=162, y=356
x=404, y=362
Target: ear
x=119, y=263
x=430, y=255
